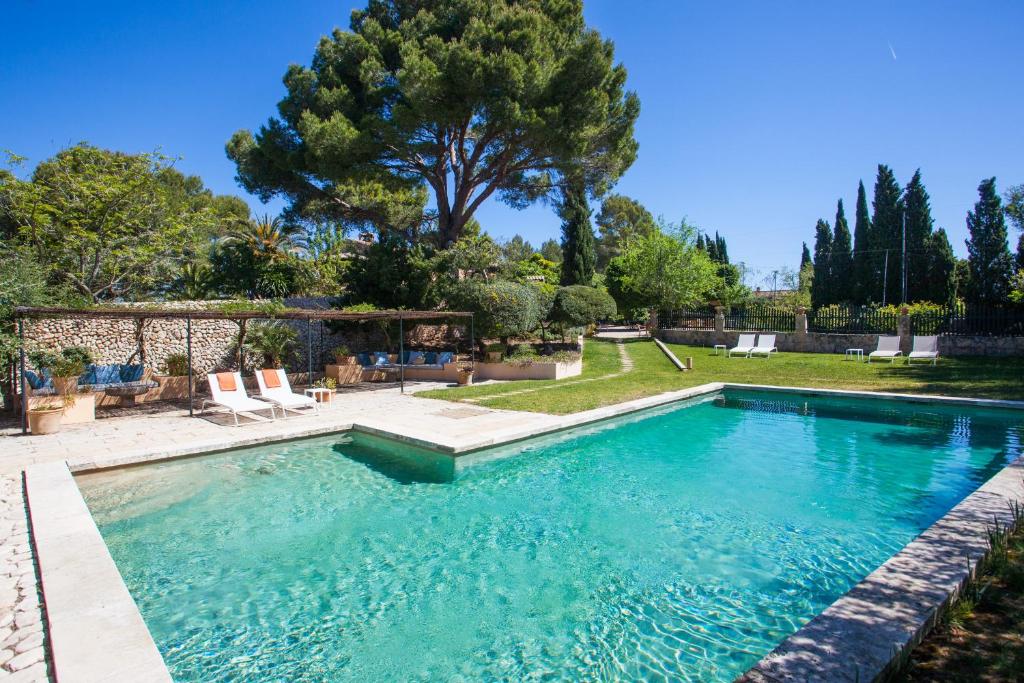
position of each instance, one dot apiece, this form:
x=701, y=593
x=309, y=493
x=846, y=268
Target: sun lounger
x=274, y=387
x=925, y=348
x=765, y=346
x=227, y=391
x=743, y=346
x=888, y=347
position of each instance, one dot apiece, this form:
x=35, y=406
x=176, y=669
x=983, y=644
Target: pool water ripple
x=680, y=544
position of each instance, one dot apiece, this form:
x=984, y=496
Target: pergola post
x=309, y=351
x=401, y=355
x=21, y=362
x=188, y=345
x=472, y=342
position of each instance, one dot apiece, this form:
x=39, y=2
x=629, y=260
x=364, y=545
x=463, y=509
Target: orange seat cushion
x=271, y=379
x=226, y=381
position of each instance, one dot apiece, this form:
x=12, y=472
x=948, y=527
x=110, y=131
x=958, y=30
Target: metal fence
x=697, y=318
x=976, y=320
x=852, y=320
x=760, y=318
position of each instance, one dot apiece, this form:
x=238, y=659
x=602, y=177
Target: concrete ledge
x=671, y=356
x=96, y=631
x=908, y=398
x=864, y=635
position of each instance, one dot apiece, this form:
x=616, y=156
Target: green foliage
x=805, y=256
x=466, y=98
x=70, y=362
x=1017, y=288
x=619, y=220
x=661, y=270
x=863, y=259
x=580, y=306
x=110, y=225
x=551, y=251
x=194, y=282
x=918, y=240
x=392, y=274
x=175, y=364
x=940, y=270
x=578, y=257
x=267, y=307
x=1013, y=200
x=471, y=257
x=886, y=236
x=841, y=259
x=821, y=287
x=259, y=259
x=516, y=249
x=502, y=309
x=989, y=257
x=273, y=341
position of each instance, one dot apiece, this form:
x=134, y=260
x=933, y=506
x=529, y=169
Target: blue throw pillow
x=381, y=358
x=363, y=358
x=412, y=357
x=89, y=376
x=444, y=357
x=430, y=357
x=34, y=380
x=131, y=372
x=108, y=374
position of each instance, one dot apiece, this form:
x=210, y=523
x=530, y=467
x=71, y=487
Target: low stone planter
x=45, y=421
x=172, y=388
x=349, y=373
x=535, y=370
x=82, y=410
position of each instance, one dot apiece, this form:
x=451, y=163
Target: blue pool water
x=681, y=544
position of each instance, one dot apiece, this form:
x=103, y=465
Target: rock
x=34, y=640
x=25, y=660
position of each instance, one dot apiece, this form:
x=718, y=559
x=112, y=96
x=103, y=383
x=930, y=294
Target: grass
x=653, y=374
x=981, y=636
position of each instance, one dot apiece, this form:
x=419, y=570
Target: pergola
x=142, y=314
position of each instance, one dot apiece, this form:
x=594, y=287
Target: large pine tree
x=578, y=254
x=821, y=294
x=841, y=259
x=886, y=234
x=938, y=282
x=988, y=251
x=918, y=222
x=863, y=263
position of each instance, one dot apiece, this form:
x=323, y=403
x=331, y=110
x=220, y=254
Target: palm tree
x=193, y=282
x=273, y=340
x=269, y=238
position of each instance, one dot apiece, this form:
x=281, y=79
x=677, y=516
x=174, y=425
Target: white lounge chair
x=925, y=348
x=743, y=345
x=765, y=346
x=282, y=395
x=236, y=400
x=888, y=347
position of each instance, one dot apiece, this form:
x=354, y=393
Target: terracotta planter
x=465, y=378
x=494, y=356
x=344, y=360
x=65, y=385
x=45, y=421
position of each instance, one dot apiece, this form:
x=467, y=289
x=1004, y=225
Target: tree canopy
x=620, y=219
x=462, y=98
x=991, y=265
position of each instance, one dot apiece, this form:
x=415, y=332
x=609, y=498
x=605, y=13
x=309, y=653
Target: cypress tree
x=886, y=233
x=988, y=251
x=820, y=292
x=805, y=256
x=919, y=231
x=863, y=266
x=721, y=251
x=939, y=284
x=1020, y=252
x=700, y=242
x=578, y=254
x=841, y=259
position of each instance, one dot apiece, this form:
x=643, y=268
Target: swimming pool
x=683, y=542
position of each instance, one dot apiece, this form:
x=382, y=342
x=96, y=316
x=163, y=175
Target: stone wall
x=213, y=341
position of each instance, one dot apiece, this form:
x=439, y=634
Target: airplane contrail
x=893, y=52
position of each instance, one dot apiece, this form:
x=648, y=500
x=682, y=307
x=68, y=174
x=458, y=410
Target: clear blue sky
x=755, y=116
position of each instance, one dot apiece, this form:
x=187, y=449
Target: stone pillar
x=800, y=329
x=903, y=330
x=719, y=325
x=652, y=321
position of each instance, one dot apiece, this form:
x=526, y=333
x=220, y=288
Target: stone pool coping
x=93, y=615
x=96, y=630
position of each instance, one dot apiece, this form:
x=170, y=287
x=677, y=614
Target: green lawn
x=653, y=374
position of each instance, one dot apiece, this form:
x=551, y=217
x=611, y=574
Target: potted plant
x=65, y=367
x=465, y=374
x=45, y=418
x=342, y=355
x=494, y=352
x=328, y=383
x=174, y=380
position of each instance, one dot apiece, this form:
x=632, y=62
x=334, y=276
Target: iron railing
x=852, y=320
x=695, y=318
x=760, y=318
x=988, y=321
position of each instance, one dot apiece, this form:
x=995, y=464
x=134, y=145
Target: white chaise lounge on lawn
x=227, y=391
x=274, y=387
x=743, y=346
x=888, y=347
x=925, y=348
x=765, y=346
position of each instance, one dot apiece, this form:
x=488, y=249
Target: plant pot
x=465, y=378
x=494, y=356
x=345, y=360
x=65, y=385
x=45, y=421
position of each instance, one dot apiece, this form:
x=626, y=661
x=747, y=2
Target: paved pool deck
x=855, y=639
